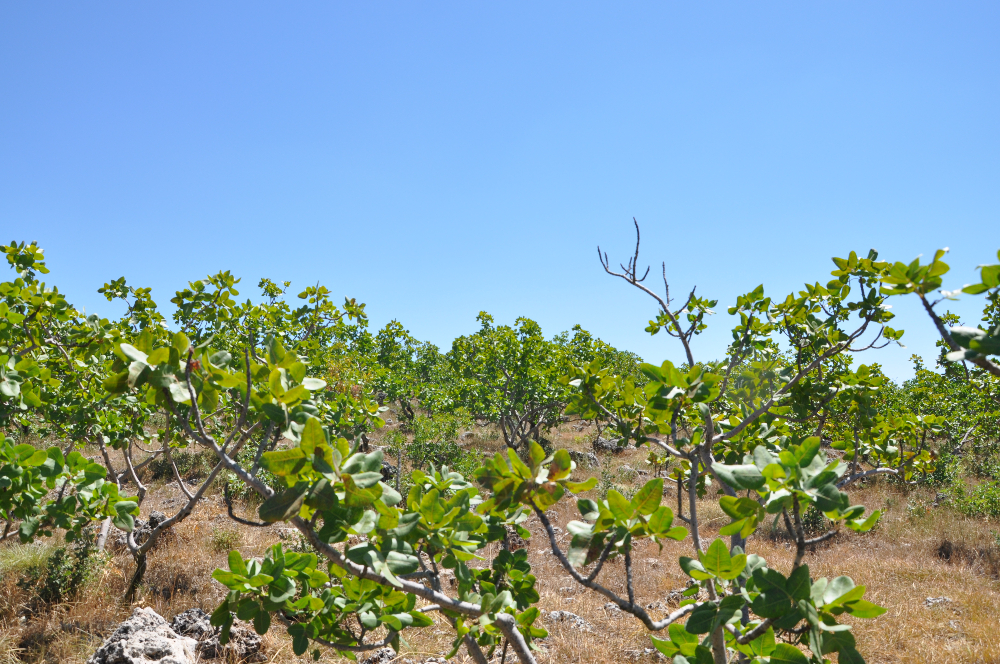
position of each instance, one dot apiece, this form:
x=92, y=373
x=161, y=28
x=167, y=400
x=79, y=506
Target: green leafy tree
x=510, y=376
x=967, y=392
x=753, y=423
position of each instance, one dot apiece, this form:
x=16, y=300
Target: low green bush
x=64, y=572
x=982, y=500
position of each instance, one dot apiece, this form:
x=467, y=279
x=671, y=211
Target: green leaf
x=620, y=507
x=561, y=465
x=665, y=647
x=133, y=353
x=740, y=477
x=798, y=584
x=860, y=608
x=421, y=619
x=228, y=579
x=247, y=609
x=262, y=622
x=693, y=568
x=716, y=560
x=313, y=384
x=581, y=487
x=181, y=344
x=648, y=498
x=702, y=618
x=787, y=654
x=237, y=566
x=284, y=505
x=312, y=436
x=284, y=462
x=860, y=526
x=683, y=639
x=661, y=519
x=281, y=589
x=36, y=459
x=258, y=580
x=738, y=508
x=158, y=356
x=124, y=522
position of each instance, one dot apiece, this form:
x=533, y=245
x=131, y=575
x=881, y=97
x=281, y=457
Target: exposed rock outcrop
x=145, y=638
x=244, y=642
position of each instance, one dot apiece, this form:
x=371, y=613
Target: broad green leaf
x=648, y=498
x=236, y=565
x=702, y=618
x=262, y=622
x=312, y=436
x=620, y=507
x=284, y=505
x=313, y=384
x=787, y=654
x=284, y=462
x=581, y=487
x=740, y=477
x=860, y=608
x=281, y=589
x=716, y=559
x=561, y=465
x=666, y=647
x=693, y=568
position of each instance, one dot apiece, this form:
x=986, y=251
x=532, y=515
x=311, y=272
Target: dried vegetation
x=933, y=569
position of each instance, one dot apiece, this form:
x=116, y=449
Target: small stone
x=934, y=601
x=575, y=621
x=380, y=656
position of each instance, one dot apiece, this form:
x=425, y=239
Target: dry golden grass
x=900, y=563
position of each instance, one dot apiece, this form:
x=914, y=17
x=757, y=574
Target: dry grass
x=901, y=563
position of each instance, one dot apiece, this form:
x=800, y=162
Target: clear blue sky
x=435, y=160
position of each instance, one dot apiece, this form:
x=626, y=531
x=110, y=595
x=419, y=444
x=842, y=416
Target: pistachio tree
x=967, y=390
x=510, y=376
x=50, y=356
x=974, y=345
x=753, y=423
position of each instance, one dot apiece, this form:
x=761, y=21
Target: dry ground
x=918, y=551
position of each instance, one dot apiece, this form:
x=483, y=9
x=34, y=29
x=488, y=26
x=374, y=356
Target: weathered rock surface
x=244, y=643
x=145, y=638
x=588, y=459
x=573, y=620
x=613, y=445
x=513, y=541
x=380, y=656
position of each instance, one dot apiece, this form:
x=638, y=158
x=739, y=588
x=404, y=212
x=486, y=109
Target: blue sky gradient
x=438, y=159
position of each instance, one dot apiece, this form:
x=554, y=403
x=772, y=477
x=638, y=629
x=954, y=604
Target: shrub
x=226, y=539
x=982, y=500
x=64, y=572
x=190, y=465
x=435, y=440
